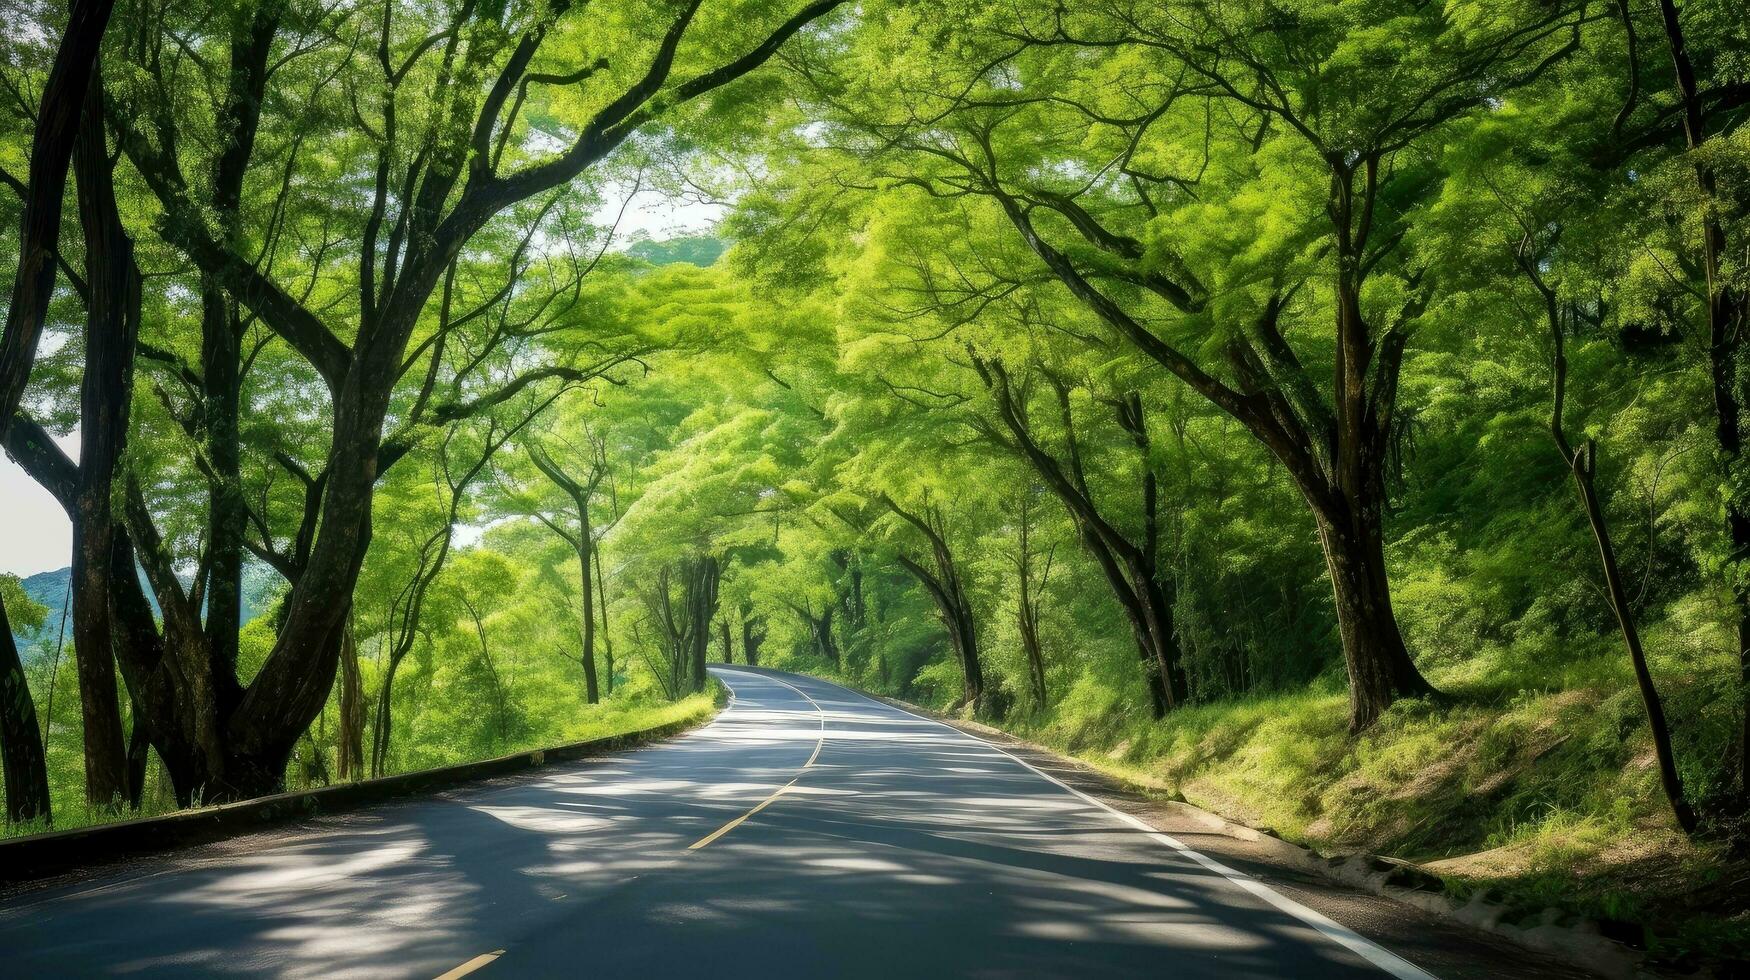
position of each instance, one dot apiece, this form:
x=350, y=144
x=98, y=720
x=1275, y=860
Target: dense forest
x=1330, y=410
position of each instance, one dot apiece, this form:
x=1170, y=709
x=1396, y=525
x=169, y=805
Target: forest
x=1331, y=412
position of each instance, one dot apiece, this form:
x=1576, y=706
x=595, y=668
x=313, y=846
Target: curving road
x=807, y=832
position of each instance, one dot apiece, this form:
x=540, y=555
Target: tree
x=21, y=741
x=444, y=171
x=941, y=576
x=1035, y=115
x=582, y=541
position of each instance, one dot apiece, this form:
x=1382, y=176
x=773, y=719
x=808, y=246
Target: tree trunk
x=1028, y=621
x=21, y=741
x=105, y=393
x=138, y=754
x=591, y=692
x=221, y=399
x=1027, y=604
x=752, y=636
x=728, y=641
x=1728, y=314
x=1132, y=570
x=607, y=634
x=964, y=635
x=700, y=579
x=350, y=731
x=58, y=122
x=1583, y=464
x=956, y=619
x=384, y=718
x=583, y=542
x=1379, y=666
x=949, y=592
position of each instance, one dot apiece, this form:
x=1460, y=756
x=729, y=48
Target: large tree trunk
x=105, y=393
x=221, y=374
x=1379, y=666
x=21, y=741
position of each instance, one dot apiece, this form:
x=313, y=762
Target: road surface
x=807, y=832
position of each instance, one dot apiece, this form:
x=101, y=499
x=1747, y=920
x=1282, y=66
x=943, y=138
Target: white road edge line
x=1367, y=949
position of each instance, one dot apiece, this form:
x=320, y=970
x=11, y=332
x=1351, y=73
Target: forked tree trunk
x=21, y=741
x=582, y=541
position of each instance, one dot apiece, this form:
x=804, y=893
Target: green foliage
x=1039, y=276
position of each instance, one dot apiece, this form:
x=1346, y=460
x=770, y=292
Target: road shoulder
x=1387, y=902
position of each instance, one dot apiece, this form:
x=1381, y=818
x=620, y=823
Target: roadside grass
x=613, y=717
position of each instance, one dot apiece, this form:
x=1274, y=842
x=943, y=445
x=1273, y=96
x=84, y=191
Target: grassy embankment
x=600, y=721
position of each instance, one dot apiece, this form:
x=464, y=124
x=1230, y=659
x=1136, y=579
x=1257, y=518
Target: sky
x=35, y=535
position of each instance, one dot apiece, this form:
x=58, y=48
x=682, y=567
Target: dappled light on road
x=807, y=832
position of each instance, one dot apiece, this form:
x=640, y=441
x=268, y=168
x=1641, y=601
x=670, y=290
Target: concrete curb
x=1583, y=943
x=39, y=856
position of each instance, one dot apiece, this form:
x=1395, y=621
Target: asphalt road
x=807, y=832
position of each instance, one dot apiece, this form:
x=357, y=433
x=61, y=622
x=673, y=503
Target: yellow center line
x=472, y=965
x=768, y=801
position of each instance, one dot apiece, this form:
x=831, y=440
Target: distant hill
x=49, y=589
x=261, y=586
x=699, y=250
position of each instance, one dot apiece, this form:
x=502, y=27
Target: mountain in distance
x=261, y=587
x=701, y=249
